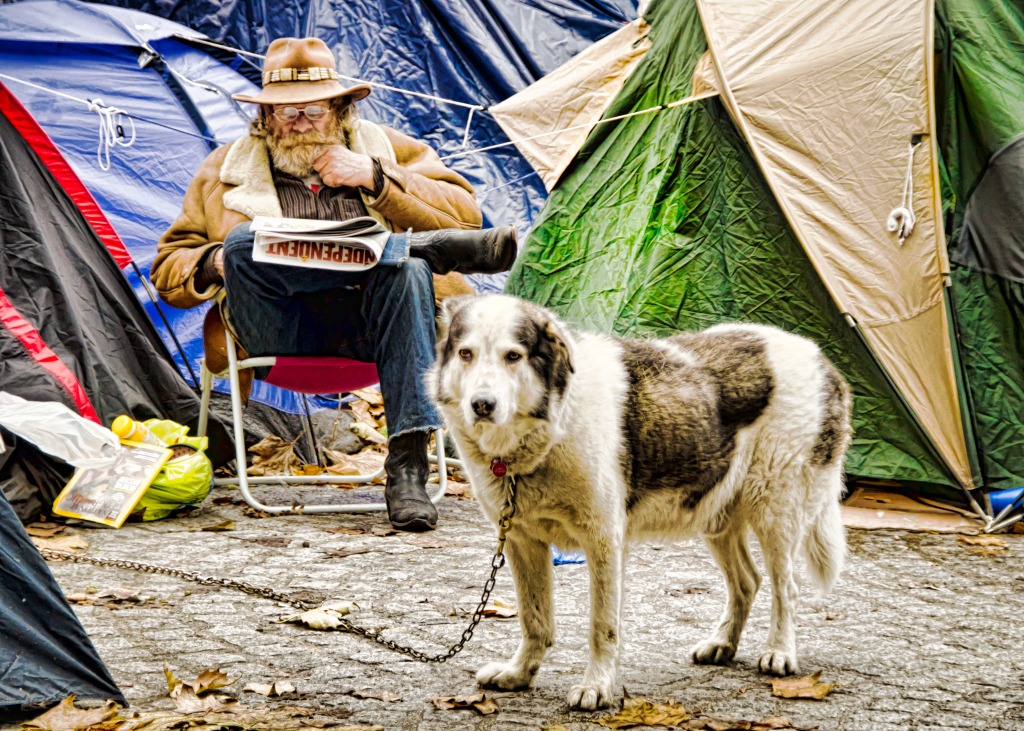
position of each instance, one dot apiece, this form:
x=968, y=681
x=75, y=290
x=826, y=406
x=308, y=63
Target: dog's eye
x=466, y=354
x=512, y=356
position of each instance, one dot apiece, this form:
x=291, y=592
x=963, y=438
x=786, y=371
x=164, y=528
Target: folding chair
x=311, y=375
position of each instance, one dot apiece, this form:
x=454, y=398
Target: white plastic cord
x=902, y=219
x=111, y=131
x=649, y=110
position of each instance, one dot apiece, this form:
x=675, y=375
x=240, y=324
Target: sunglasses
x=313, y=113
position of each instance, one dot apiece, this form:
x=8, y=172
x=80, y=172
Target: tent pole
x=156, y=303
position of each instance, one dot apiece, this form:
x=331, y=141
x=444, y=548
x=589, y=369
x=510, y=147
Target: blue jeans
x=384, y=315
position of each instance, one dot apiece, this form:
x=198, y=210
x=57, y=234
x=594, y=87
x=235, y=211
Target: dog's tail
x=825, y=548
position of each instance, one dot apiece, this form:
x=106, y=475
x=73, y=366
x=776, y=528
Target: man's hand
x=218, y=262
x=339, y=166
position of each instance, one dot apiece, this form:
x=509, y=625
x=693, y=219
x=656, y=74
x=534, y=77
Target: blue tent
x=57, y=55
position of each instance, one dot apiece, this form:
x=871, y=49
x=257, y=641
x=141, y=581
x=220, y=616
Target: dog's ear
x=561, y=346
x=450, y=307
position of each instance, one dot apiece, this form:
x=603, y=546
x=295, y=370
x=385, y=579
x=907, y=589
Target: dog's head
x=500, y=360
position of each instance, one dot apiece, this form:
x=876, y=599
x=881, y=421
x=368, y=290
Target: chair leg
x=243, y=480
x=206, y=384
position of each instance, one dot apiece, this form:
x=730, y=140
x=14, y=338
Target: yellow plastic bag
x=183, y=481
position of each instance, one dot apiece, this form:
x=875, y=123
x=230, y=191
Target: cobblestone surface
x=923, y=632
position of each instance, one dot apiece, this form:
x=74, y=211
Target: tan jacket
x=235, y=183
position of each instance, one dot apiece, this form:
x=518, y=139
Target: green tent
x=748, y=165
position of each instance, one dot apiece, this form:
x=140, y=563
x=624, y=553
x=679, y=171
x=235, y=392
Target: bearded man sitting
x=308, y=155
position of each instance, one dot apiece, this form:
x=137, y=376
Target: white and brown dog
x=614, y=441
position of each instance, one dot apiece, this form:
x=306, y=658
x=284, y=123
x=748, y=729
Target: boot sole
x=416, y=525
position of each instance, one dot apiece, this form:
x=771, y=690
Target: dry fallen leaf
x=990, y=541
x=67, y=717
x=347, y=530
x=366, y=462
x=373, y=398
x=186, y=700
x=226, y=525
x=808, y=687
x=252, y=512
x=477, y=701
x=345, y=552
x=208, y=680
x=458, y=489
x=642, y=712
x=325, y=617
x=731, y=724
x=61, y=543
x=500, y=609
x=44, y=530
x=270, y=690
x=367, y=432
x=362, y=411
x=274, y=456
x=377, y=695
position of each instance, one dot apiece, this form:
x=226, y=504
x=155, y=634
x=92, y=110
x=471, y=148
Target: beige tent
x=833, y=98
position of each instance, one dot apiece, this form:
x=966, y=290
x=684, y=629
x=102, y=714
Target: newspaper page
x=348, y=246
x=107, y=492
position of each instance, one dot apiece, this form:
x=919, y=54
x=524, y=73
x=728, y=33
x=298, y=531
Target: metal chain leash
x=497, y=561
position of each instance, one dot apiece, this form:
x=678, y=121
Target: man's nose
x=302, y=124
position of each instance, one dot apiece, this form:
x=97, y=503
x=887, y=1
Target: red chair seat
x=326, y=374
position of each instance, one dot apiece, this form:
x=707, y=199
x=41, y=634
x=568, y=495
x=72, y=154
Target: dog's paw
x=712, y=652
x=777, y=662
x=504, y=676
x=589, y=697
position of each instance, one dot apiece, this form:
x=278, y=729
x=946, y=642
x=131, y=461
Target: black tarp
x=45, y=654
x=58, y=279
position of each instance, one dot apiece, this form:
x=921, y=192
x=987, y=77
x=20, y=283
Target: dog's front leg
x=605, y=558
x=530, y=561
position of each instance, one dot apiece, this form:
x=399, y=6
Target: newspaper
x=348, y=246
x=107, y=490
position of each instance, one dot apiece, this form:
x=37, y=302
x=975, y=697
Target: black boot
x=488, y=251
x=409, y=506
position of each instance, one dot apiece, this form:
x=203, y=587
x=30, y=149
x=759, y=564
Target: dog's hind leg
x=780, y=539
x=530, y=561
x=742, y=580
x=605, y=558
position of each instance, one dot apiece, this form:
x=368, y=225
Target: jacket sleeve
x=421, y=193
x=181, y=249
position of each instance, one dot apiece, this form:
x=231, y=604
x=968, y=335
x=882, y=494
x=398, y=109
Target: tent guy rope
x=648, y=110
x=111, y=133
x=433, y=97
x=902, y=219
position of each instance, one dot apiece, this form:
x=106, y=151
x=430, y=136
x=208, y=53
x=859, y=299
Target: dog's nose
x=483, y=405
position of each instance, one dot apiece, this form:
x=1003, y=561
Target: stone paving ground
x=923, y=632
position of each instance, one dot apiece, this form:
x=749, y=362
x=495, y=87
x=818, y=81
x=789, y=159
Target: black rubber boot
x=488, y=251
x=407, y=467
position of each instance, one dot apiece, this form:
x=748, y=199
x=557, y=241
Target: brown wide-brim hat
x=300, y=71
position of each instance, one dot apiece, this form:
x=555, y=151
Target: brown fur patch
x=835, y=429
x=682, y=419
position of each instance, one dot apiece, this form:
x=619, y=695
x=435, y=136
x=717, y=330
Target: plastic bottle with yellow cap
x=134, y=431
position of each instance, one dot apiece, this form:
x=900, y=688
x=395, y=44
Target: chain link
x=497, y=561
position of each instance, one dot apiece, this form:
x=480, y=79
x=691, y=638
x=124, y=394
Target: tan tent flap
x=829, y=94
x=576, y=94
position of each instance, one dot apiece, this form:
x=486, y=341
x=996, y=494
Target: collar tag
x=499, y=468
